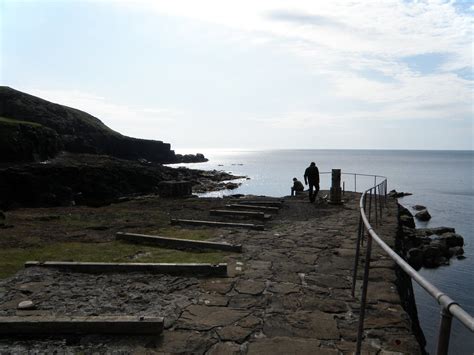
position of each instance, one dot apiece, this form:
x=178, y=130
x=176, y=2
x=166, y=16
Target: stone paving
x=287, y=293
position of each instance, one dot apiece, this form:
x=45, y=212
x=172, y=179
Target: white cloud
x=338, y=39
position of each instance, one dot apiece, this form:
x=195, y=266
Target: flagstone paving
x=289, y=292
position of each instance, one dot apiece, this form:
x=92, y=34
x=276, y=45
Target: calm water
x=440, y=180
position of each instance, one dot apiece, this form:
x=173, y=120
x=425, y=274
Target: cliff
x=34, y=129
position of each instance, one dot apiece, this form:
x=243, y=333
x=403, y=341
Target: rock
x=2, y=218
x=436, y=230
x=26, y=305
x=415, y=258
x=174, y=188
x=423, y=215
x=395, y=194
x=456, y=251
x=407, y=221
x=419, y=207
x=231, y=185
x=450, y=240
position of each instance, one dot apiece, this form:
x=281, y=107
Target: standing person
x=311, y=176
x=297, y=187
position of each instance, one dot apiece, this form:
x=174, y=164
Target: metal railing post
x=364, y=195
x=375, y=206
x=363, y=300
x=370, y=205
x=360, y=231
x=355, y=182
x=444, y=332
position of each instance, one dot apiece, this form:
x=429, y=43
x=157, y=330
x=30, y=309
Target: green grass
x=12, y=121
x=13, y=259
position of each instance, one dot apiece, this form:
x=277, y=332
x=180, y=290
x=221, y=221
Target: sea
x=440, y=180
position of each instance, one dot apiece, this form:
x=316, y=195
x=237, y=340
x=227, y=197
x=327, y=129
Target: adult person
x=311, y=177
x=297, y=187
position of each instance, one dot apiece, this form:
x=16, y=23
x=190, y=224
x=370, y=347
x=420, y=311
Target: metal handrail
x=355, y=177
x=449, y=307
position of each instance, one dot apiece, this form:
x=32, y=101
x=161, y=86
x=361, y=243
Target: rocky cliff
x=34, y=129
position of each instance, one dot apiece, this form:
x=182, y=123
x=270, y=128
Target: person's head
x=295, y=179
x=312, y=164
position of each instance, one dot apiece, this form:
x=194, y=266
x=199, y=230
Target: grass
x=13, y=259
x=12, y=121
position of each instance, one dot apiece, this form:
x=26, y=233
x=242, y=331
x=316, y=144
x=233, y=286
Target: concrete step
x=218, y=224
x=176, y=243
x=247, y=214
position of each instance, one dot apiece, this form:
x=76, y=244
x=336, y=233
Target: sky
x=244, y=74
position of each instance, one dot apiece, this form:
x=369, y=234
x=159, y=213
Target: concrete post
x=335, y=192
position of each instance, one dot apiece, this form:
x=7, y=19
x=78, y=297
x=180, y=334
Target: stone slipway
x=288, y=293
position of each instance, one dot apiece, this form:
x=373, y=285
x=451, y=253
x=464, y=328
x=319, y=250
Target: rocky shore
x=428, y=247
x=94, y=180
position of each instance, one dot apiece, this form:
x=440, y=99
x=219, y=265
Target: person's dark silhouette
x=297, y=187
x=311, y=177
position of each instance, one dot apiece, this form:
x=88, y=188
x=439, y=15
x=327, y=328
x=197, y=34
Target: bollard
x=335, y=192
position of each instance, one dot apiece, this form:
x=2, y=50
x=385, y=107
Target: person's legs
x=316, y=190
x=293, y=191
x=311, y=186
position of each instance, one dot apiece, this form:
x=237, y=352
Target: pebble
x=26, y=305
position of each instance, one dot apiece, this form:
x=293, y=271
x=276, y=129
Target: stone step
x=176, y=243
x=47, y=326
x=218, y=224
x=254, y=207
x=154, y=268
x=248, y=214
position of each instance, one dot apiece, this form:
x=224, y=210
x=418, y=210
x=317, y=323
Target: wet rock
x=407, y=221
x=423, y=215
x=396, y=194
x=185, y=342
x=451, y=239
x=456, y=251
x=437, y=230
x=419, y=207
x=415, y=258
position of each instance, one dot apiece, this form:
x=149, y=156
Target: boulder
x=436, y=230
x=407, y=221
x=419, y=207
x=415, y=258
x=451, y=240
x=395, y=194
x=423, y=215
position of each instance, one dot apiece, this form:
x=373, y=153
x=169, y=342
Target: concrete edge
x=217, y=224
x=40, y=325
x=190, y=269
